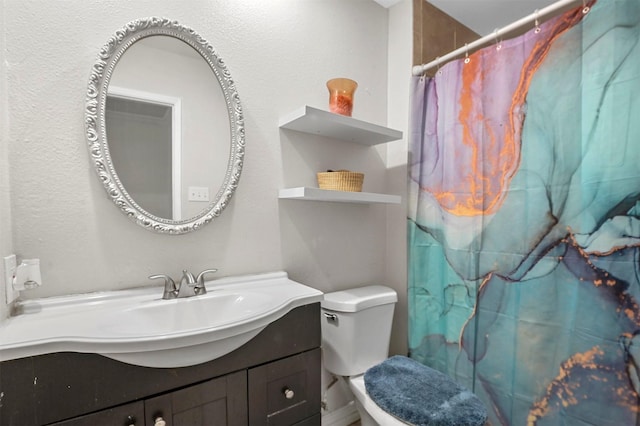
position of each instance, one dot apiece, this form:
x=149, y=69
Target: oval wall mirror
x=164, y=126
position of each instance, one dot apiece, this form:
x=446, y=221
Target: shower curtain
x=524, y=221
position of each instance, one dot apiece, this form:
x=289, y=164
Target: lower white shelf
x=316, y=194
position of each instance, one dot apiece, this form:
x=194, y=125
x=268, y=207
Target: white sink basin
x=138, y=327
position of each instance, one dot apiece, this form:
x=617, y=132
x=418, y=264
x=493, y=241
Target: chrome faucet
x=189, y=285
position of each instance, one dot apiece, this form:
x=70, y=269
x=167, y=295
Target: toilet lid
x=421, y=395
x=358, y=299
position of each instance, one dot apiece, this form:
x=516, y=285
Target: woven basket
x=341, y=180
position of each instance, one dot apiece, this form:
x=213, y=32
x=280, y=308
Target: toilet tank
x=356, y=328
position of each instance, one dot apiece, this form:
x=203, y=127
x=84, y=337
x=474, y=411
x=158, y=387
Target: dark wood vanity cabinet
x=274, y=379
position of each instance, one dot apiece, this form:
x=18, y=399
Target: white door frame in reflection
x=176, y=136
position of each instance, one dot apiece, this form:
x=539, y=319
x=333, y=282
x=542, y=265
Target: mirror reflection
x=167, y=127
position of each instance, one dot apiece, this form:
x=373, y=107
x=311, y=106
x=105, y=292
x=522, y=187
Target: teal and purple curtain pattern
x=524, y=221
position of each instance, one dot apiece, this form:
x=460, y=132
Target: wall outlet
x=10, y=265
x=198, y=193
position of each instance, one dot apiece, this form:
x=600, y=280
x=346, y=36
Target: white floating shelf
x=318, y=122
x=316, y=194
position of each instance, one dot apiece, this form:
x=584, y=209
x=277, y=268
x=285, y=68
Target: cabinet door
x=221, y=401
x=286, y=391
x=124, y=415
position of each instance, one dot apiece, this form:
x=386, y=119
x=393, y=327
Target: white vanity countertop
x=138, y=327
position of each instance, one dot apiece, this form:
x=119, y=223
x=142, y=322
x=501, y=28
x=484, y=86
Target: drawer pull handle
x=288, y=393
x=159, y=421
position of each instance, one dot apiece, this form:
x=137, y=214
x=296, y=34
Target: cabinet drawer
x=286, y=391
x=124, y=415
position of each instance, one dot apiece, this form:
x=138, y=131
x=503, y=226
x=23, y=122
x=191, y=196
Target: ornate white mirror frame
x=95, y=111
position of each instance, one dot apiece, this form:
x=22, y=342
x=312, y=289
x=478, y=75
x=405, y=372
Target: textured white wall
x=400, y=60
x=6, y=240
x=280, y=53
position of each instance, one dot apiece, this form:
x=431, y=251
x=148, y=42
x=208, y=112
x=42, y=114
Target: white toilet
x=356, y=328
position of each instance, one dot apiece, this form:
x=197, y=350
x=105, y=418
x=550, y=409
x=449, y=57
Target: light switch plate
x=198, y=193
x=10, y=264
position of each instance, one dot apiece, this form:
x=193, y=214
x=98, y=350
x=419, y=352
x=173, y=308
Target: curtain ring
x=537, y=30
x=585, y=8
x=466, y=54
x=498, y=42
x=438, y=71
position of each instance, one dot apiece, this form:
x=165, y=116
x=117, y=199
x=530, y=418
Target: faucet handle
x=167, y=278
x=200, y=288
x=170, y=290
x=200, y=279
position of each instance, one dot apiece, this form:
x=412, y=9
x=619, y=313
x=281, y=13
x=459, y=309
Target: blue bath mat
x=421, y=395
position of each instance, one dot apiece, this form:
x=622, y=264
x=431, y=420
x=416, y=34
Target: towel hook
x=585, y=8
x=466, y=54
x=537, y=22
x=498, y=41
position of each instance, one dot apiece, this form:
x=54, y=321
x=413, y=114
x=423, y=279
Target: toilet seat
x=356, y=384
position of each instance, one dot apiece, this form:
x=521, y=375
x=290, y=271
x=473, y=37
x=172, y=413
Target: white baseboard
x=343, y=416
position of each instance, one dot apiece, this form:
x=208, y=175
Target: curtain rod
x=538, y=14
